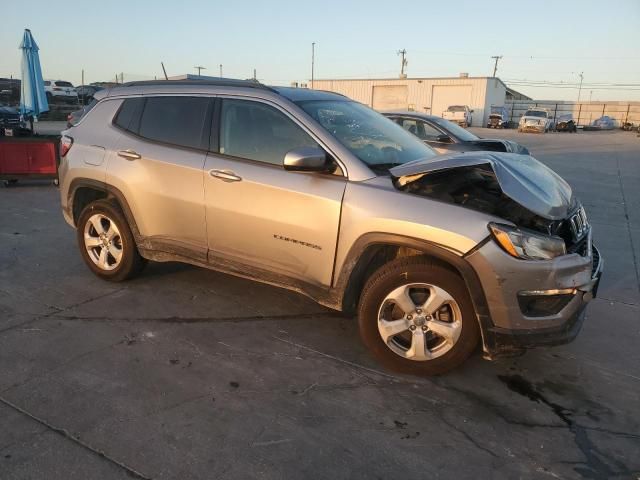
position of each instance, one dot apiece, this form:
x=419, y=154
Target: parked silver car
x=313, y=192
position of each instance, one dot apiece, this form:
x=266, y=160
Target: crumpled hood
x=521, y=177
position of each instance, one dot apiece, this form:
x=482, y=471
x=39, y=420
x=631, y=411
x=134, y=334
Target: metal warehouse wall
x=584, y=112
x=484, y=92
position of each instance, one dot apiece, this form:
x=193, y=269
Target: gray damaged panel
x=521, y=177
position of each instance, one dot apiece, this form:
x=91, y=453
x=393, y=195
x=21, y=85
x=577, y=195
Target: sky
x=539, y=40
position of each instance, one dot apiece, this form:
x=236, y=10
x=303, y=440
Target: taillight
x=65, y=145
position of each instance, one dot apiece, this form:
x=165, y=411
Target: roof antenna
x=165, y=72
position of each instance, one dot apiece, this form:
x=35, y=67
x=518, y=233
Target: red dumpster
x=28, y=157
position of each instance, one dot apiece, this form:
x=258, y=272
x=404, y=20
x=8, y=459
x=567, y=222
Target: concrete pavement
x=185, y=373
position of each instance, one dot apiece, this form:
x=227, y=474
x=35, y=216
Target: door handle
x=129, y=154
x=225, y=175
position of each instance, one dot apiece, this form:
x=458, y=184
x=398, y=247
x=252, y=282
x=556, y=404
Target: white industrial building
x=428, y=95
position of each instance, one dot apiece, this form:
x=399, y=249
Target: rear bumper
x=514, y=329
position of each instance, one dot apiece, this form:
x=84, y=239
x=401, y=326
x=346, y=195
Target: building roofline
x=401, y=79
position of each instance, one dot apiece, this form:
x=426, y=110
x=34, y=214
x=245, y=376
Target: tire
x=122, y=260
x=423, y=279
x=49, y=97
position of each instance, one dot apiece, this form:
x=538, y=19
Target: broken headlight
x=526, y=244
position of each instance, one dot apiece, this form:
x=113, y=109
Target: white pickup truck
x=460, y=114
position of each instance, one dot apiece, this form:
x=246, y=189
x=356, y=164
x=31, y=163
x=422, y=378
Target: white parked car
x=460, y=114
x=61, y=91
x=537, y=120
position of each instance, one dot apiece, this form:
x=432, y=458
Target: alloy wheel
x=103, y=242
x=419, y=321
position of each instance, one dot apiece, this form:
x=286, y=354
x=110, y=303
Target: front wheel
x=106, y=242
x=416, y=317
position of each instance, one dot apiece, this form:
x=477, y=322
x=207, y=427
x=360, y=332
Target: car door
x=158, y=167
x=259, y=214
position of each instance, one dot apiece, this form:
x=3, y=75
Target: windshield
x=456, y=108
x=454, y=129
x=535, y=113
x=373, y=138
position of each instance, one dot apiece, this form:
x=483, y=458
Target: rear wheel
x=106, y=242
x=416, y=317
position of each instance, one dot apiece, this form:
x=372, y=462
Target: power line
x=561, y=82
x=571, y=87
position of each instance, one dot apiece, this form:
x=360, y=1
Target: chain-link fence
x=584, y=113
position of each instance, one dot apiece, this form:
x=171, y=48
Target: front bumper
x=511, y=331
x=532, y=128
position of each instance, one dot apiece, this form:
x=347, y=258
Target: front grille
x=579, y=224
x=10, y=121
x=574, y=230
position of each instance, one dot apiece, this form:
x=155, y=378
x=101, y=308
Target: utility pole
x=404, y=62
x=495, y=65
x=164, y=71
x=220, y=70
x=313, y=60
x=199, y=68
x=255, y=79
x=580, y=87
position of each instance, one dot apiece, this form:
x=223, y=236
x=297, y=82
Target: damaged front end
x=536, y=294
x=517, y=188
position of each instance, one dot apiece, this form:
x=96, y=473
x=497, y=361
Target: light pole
x=313, y=60
x=199, y=68
x=220, y=70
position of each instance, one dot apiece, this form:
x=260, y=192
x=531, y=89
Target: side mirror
x=443, y=138
x=307, y=159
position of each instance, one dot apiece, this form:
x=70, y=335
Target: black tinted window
x=175, y=120
x=126, y=113
x=258, y=132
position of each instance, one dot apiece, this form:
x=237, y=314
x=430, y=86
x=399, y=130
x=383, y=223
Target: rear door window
x=175, y=120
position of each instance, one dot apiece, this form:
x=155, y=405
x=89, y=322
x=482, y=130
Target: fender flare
x=453, y=258
x=111, y=192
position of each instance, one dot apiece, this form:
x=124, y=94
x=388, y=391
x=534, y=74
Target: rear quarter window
x=129, y=109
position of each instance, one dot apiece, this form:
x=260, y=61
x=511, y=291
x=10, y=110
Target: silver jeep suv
x=310, y=191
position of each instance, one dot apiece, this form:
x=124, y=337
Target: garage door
x=443, y=96
x=390, y=97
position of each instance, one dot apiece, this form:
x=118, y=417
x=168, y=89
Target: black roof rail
x=221, y=82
